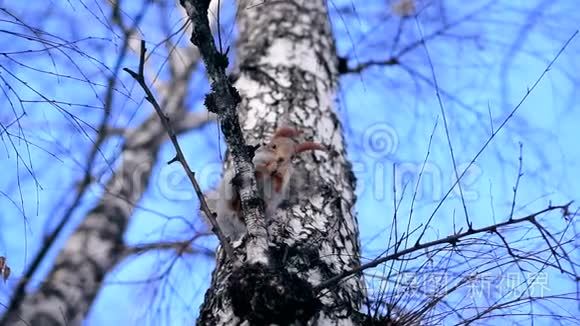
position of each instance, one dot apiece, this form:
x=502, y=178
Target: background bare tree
x=430, y=92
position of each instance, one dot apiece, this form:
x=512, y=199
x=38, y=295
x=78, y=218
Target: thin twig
x=179, y=157
x=446, y=125
x=517, y=185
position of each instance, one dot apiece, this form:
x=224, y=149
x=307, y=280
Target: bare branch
x=452, y=240
x=179, y=153
x=178, y=246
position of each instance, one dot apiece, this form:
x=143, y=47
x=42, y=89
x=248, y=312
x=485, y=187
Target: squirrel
x=274, y=171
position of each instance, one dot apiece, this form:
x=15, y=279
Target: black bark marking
x=45, y=319
x=264, y=296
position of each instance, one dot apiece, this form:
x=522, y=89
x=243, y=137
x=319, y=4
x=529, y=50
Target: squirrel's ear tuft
x=309, y=146
x=286, y=132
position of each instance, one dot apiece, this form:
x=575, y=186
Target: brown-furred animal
x=274, y=173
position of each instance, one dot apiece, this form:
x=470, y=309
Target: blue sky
x=483, y=67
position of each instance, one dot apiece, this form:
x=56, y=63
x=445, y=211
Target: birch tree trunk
x=287, y=75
